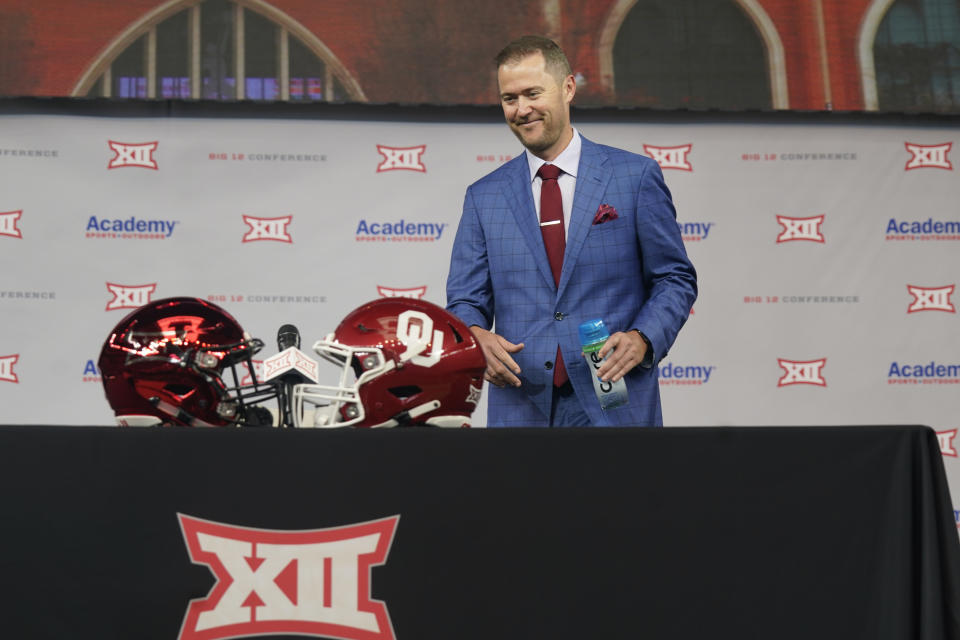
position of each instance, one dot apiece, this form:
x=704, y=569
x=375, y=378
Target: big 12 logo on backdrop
x=128, y=154
x=275, y=229
x=6, y=368
x=129, y=297
x=931, y=299
x=945, y=439
x=670, y=157
x=415, y=293
x=929, y=156
x=8, y=224
x=313, y=582
x=401, y=158
x=802, y=372
x=794, y=229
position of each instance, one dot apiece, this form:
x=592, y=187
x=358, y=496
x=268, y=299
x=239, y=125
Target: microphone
x=288, y=336
x=288, y=368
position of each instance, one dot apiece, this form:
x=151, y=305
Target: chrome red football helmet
x=164, y=362
x=402, y=362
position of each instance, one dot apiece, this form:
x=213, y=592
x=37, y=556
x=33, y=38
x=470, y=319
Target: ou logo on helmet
x=414, y=329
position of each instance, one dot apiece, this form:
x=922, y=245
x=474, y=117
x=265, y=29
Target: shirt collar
x=568, y=160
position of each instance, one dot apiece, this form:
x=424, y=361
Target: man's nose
x=523, y=106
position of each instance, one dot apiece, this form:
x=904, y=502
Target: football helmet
x=402, y=362
x=164, y=362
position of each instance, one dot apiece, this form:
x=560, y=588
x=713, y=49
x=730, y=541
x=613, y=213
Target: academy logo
x=929, y=373
x=670, y=157
x=132, y=228
x=314, y=583
x=800, y=229
x=695, y=231
x=931, y=299
x=133, y=155
x=678, y=375
x=8, y=224
x=274, y=229
x=127, y=297
x=945, y=438
x=929, y=156
x=802, y=372
x=401, y=158
x=928, y=229
x=415, y=293
x=399, y=231
x=90, y=372
x=6, y=368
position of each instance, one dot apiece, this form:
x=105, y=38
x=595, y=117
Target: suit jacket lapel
x=520, y=199
x=593, y=175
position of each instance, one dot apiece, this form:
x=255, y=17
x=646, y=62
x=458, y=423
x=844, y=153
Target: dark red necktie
x=554, y=239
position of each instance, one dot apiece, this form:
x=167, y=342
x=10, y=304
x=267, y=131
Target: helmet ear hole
x=406, y=391
x=180, y=390
x=357, y=369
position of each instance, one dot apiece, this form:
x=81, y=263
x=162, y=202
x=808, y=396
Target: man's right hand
x=501, y=369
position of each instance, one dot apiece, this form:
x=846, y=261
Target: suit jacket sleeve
x=469, y=290
x=670, y=277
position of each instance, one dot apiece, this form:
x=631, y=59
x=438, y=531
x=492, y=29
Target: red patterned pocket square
x=604, y=213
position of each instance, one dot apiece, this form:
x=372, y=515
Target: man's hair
x=555, y=60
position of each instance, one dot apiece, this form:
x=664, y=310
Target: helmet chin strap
x=426, y=407
x=454, y=421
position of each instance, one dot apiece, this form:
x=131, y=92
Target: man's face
x=536, y=106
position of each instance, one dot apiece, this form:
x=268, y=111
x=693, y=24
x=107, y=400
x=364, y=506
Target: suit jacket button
x=548, y=365
x=558, y=315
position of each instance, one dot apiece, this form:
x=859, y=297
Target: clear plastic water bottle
x=593, y=334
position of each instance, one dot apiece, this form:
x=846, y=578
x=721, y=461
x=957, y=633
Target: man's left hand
x=628, y=350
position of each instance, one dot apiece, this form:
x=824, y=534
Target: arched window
x=916, y=55
x=219, y=50
x=691, y=54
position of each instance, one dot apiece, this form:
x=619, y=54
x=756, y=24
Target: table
x=754, y=532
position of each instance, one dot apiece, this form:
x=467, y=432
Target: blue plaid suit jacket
x=633, y=272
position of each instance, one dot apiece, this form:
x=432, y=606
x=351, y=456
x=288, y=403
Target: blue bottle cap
x=593, y=331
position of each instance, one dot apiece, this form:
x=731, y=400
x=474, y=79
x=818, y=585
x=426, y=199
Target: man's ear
x=569, y=88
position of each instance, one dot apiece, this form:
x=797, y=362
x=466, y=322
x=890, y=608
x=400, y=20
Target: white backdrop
x=827, y=252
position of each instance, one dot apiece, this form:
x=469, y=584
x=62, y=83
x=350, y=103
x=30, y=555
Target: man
x=615, y=253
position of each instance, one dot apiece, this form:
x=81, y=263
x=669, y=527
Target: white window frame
x=100, y=69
